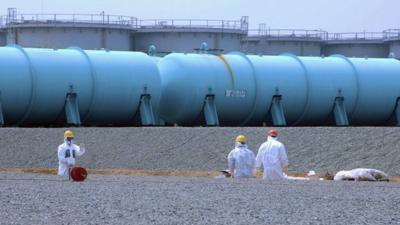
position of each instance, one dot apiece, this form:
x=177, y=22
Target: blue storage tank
x=46, y=87
x=187, y=80
x=15, y=84
x=378, y=90
x=310, y=90
x=284, y=76
x=119, y=81
x=108, y=86
x=328, y=78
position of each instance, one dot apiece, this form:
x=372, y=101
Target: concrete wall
x=115, y=38
x=58, y=37
x=186, y=41
x=3, y=38
x=276, y=47
x=394, y=46
x=372, y=50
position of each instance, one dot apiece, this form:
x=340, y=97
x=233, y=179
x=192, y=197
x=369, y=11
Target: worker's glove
x=82, y=148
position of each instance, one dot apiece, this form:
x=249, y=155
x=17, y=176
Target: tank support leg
x=147, y=116
x=397, y=112
x=1, y=115
x=276, y=111
x=339, y=111
x=210, y=111
x=72, y=110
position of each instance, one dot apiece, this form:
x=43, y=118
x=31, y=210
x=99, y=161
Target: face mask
x=69, y=141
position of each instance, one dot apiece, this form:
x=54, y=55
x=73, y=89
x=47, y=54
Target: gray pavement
x=103, y=199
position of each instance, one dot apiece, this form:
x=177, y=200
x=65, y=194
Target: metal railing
x=132, y=22
x=386, y=35
x=192, y=23
x=356, y=36
x=391, y=34
x=22, y=19
x=171, y=24
x=288, y=33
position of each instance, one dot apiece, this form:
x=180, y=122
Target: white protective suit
x=241, y=160
x=362, y=174
x=66, y=156
x=272, y=155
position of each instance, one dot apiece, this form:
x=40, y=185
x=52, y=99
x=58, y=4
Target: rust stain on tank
x=231, y=75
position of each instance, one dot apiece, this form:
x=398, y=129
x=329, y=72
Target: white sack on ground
x=361, y=174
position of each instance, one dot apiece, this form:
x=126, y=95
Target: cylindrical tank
x=119, y=80
x=15, y=85
x=34, y=84
x=279, y=75
x=188, y=78
x=328, y=78
x=309, y=88
x=378, y=90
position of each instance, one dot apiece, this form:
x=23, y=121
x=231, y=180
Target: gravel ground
x=176, y=148
x=48, y=199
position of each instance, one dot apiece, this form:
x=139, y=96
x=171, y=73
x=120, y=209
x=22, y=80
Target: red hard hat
x=272, y=133
x=78, y=174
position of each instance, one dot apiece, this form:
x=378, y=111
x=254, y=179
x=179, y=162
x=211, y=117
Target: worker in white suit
x=272, y=156
x=67, y=153
x=241, y=160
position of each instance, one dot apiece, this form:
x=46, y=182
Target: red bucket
x=78, y=174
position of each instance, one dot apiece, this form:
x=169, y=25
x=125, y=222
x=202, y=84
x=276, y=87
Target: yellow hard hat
x=69, y=134
x=241, y=139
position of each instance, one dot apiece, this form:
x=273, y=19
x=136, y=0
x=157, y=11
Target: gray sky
x=329, y=15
